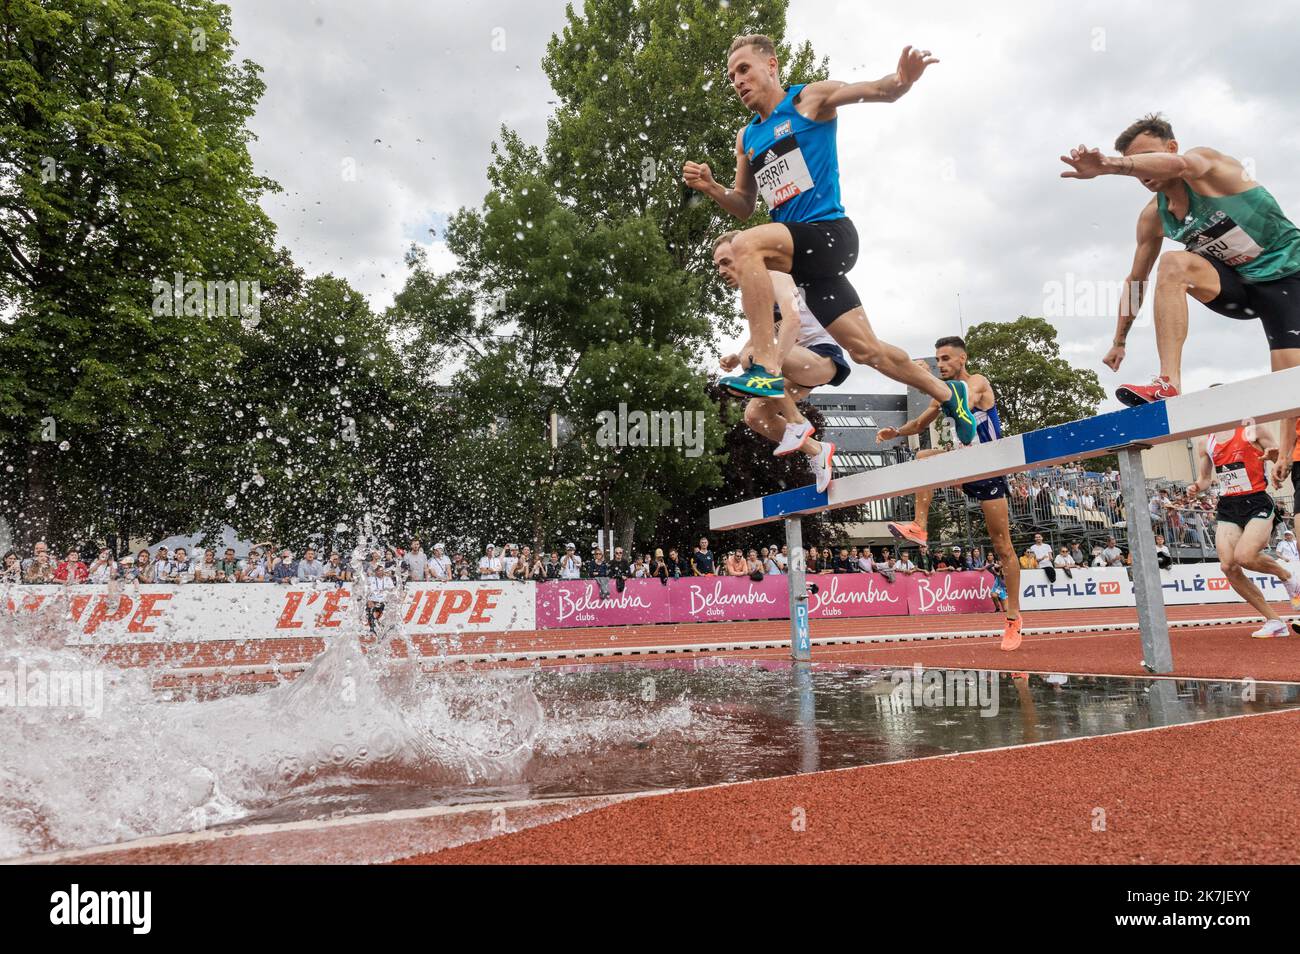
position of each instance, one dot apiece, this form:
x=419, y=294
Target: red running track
x=1209, y=793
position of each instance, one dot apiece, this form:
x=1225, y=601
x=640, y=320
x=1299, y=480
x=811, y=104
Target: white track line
x=231, y=830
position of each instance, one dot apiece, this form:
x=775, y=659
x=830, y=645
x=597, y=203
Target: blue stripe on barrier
x=1106, y=431
x=793, y=501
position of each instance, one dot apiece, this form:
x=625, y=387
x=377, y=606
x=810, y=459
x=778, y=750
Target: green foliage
x=1035, y=386
x=123, y=159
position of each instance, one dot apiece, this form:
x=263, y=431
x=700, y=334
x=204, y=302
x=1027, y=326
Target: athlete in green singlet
x=1242, y=255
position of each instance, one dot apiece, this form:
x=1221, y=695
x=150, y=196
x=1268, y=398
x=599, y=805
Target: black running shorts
x=1241, y=509
x=1276, y=304
x=994, y=488
x=823, y=254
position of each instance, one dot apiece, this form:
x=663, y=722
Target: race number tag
x=1225, y=240
x=782, y=173
x=1233, y=479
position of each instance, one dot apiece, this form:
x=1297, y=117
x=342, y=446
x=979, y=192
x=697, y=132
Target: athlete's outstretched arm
x=1197, y=163
x=1149, y=238
x=741, y=198
x=823, y=98
x=914, y=426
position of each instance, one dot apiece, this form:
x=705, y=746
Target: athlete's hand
x=1193, y=491
x=729, y=362
x=698, y=176
x=912, y=63
x=886, y=434
x=1114, y=357
x=1085, y=163
x=1281, y=471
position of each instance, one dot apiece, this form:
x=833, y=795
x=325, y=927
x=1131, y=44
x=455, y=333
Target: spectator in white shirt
x=570, y=565
x=104, y=568
x=1163, y=556
x=904, y=565
x=1287, y=549
x=439, y=566
x=378, y=588
x=416, y=561
x=1042, y=552
x=489, y=567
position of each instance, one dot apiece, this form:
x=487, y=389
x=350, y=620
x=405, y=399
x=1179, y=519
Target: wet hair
x=952, y=341
x=1152, y=124
x=761, y=43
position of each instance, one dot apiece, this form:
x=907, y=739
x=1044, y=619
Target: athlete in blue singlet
x=787, y=154
x=992, y=494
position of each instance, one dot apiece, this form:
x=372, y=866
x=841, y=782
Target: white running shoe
x=1274, y=627
x=794, y=438
x=1293, y=589
x=823, y=466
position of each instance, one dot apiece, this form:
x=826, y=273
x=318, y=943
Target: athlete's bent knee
x=1177, y=267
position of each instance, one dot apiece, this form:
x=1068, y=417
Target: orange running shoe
x=1011, y=635
x=909, y=531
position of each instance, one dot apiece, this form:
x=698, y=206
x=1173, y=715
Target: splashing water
x=129, y=761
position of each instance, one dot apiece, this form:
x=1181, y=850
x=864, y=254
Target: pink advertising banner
x=941, y=593
x=564, y=603
x=848, y=595
x=700, y=599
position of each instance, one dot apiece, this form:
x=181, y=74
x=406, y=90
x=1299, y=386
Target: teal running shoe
x=756, y=381
x=957, y=407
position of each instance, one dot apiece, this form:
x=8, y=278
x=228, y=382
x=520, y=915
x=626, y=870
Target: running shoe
x=822, y=466
x=1293, y=589
x=756, y=381
x=1271, y=629
x=795, y=437
x=957, y=407
x=909, y=531
x=1011, y=635
x=1135, y=395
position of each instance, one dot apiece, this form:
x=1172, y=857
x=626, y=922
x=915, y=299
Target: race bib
x=1225, y=240
x=1233, y=480
x=781, y=172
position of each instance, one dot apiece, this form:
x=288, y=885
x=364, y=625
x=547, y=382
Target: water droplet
x=339, y=339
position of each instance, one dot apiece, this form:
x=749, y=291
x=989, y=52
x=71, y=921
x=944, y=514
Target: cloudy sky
x=955, y=190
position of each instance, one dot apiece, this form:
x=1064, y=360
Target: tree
x=123, y=161
x=1035, y=386
x=584, y=282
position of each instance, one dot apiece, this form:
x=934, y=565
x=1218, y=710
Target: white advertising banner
x=204, y=612
x=1185, y=584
